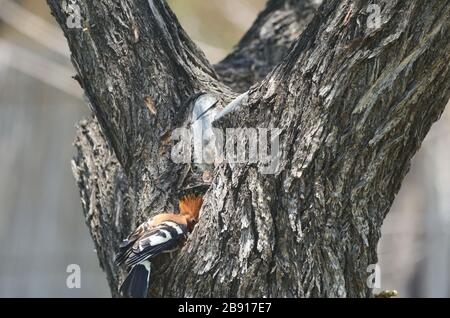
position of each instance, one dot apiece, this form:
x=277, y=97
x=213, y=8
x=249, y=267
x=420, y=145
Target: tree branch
x=89, y=163
x=130, y=56
x=106, y=196
x=138, y=68
x=353, y=104
x=266, y=43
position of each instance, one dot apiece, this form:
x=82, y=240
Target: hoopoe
x=164, y=233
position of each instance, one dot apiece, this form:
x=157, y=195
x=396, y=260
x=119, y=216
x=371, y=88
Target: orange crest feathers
x=191, y=205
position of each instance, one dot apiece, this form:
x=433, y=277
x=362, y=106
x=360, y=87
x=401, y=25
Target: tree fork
x=353, y=102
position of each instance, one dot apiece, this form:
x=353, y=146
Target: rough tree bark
x=353, y=104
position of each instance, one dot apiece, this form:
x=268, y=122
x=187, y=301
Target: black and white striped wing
x=127, y=244
x=165, y=236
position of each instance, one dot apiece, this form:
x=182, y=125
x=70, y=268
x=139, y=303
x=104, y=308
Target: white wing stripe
x=153, y=240
x=174, y=225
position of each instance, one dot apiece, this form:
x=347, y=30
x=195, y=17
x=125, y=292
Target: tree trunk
x=353, y=103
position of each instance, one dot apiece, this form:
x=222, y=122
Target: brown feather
x=177, y=218
x=190, y=205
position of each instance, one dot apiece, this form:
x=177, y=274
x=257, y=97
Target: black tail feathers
x=137, y=282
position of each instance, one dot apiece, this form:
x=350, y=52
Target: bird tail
x=191, y=205
x=137, y=282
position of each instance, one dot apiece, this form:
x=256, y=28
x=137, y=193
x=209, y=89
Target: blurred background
x=42, y=228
